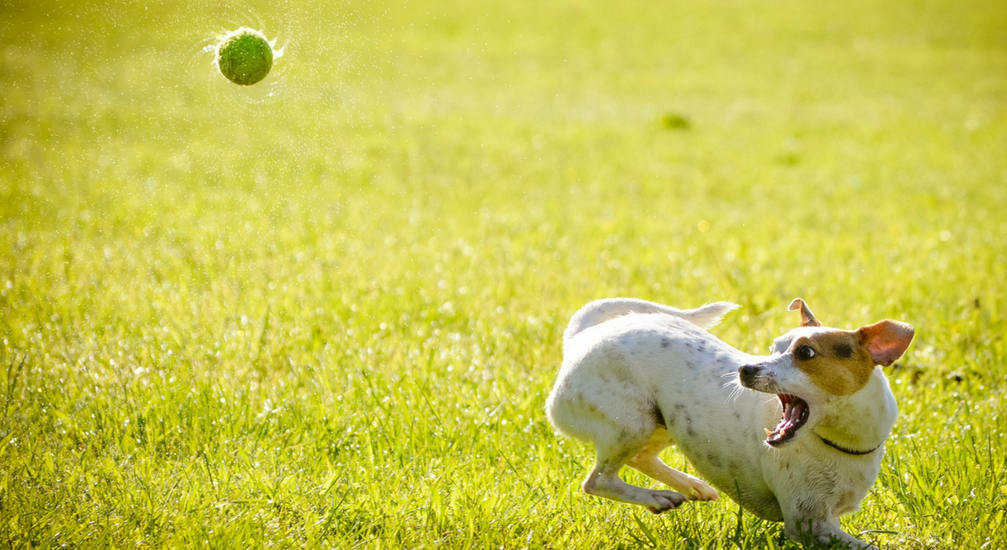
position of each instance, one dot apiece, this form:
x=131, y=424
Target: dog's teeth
x=768, y=433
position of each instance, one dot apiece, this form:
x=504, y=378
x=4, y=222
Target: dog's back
x=599, y=311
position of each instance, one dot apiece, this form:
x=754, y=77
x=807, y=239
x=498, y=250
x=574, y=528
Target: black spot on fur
x=688, y=426
x=843, y=350
x=665, y=342
x=658, y=416
x=712, y=458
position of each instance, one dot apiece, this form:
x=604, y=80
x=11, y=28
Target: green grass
x=330, y=317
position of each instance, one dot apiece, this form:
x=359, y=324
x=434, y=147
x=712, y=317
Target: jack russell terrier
x=639, y=376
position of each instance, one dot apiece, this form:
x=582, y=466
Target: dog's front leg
x=810, y=531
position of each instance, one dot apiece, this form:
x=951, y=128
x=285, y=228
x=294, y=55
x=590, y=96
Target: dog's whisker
x=736, y=390
x=731, y=382
x=734, y=395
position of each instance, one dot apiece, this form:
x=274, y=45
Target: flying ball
x=244, y=56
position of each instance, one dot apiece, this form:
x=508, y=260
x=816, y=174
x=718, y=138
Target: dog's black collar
x=842, y=449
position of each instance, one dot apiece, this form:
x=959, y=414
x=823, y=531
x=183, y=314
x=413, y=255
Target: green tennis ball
x=244, y=56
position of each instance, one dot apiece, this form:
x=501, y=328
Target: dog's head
x=813, y=368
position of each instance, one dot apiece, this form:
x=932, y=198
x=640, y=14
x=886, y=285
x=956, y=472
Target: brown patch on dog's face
x=836, y=361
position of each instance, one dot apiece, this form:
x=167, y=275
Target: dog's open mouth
x=795, y=414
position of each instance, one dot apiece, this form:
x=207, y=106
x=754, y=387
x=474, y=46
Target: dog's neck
x=860, y=423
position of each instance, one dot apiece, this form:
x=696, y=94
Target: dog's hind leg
x=648, y=462
x=610, y=412
x=604, y=480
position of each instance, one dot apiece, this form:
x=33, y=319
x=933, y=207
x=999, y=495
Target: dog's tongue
x=795, y=412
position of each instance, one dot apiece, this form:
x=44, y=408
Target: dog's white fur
x=639, y=376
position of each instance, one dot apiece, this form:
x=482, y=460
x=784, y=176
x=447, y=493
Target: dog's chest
x=741, y=479
x=817, y=485
x=730, y=462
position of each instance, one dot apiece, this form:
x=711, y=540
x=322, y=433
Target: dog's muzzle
x=747, y=374
x=795, y=409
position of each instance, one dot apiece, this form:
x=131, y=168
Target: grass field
x=326, y=311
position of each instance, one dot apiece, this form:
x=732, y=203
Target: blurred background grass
x=326, y=310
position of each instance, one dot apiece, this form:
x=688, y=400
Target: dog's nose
x=747, y=373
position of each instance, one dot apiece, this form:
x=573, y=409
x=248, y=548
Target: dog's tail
x=599, y=311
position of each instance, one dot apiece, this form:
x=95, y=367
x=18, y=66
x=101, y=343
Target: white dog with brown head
x=639, y=376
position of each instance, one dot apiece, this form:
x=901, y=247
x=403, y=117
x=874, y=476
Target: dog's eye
x=805, y=352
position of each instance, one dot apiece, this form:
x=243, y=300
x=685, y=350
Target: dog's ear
x=807, y=318
x=886, y=341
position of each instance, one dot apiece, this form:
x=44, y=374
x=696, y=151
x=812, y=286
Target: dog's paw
x=701, y=491
x=666, y=500
x=693, y=487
